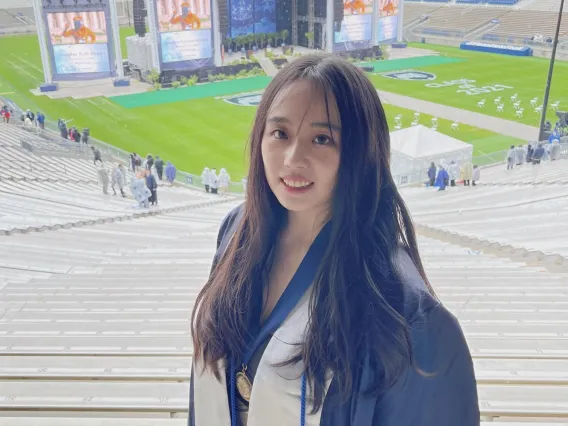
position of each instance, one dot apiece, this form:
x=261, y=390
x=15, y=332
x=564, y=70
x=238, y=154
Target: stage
x=93, y=88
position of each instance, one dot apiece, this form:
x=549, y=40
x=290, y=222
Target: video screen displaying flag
x=186, y=38
x=80, y=42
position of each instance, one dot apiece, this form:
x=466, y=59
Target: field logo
x=247, y=99
x=410, y=75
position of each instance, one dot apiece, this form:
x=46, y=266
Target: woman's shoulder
x=229, y=222
x=418, y=300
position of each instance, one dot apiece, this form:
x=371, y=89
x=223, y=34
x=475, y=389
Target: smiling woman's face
x=301, y=147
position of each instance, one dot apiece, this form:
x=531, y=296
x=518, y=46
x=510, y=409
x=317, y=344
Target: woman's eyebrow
x=326, y=125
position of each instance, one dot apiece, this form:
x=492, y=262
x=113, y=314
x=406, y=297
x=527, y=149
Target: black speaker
x=223, y=7
x=139, y=13
x=338, y=13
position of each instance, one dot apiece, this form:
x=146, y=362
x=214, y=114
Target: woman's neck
x=302, y=228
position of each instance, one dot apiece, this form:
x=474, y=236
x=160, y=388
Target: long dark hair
x=357, y=304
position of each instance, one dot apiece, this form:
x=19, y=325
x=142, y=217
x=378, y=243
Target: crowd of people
x=215, y=183
x=443, y=176
x=534, y=153
x=144, y=184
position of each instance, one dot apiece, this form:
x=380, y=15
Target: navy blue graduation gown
x=448, y=398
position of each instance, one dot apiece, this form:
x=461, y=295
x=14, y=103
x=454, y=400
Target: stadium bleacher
x=416, y=11
x=526, y=24
x=535, y=227
x=95, y=319
x=458, y=20
x=543, y=5
x=39, y=192
x=105, y=329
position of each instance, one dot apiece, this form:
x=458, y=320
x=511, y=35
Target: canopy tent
x=414, y=148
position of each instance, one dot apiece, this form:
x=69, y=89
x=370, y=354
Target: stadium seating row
x=127, y=288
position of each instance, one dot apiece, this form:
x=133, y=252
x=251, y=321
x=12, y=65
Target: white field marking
x=33, y=77
x=28, y=63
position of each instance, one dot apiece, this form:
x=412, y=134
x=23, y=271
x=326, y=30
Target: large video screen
x=252, y=17
x=355, y=31
x=387, y=28
x=185, y=32
x=80, y=42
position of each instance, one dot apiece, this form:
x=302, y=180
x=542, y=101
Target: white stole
x=276, y=391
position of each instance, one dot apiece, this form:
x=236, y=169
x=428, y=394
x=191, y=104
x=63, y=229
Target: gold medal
x=244, y=385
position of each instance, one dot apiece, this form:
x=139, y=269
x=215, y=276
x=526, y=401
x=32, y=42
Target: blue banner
x=501, y=49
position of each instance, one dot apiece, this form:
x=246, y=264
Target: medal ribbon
x=300, y=282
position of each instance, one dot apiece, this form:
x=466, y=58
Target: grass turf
x=197, y=132
x=525, y=76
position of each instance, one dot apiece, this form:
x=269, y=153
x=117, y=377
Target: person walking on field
x=511, y=157
x=466, y=173
x=103, y=177
x=97, y=155
x=224, y=180
x=454, y=173
x=206, y=178
x=476, y=174
x=159, y=165
x=171, y=172
x=117, y=180
x=139, y=190
x=214, y=181
x=432, y=174
x=152, y=185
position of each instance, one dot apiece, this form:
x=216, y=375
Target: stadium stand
x=458, y=20
x=98, y=323
x=484, y=215
x=542, y=5
x=416, y=11
x=524, y=24
x=39, y=192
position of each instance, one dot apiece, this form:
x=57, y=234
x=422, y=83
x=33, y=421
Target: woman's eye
x=322, y=140
x=279, y=134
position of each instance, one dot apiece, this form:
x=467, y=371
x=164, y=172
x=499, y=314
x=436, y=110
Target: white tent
x=414, y=148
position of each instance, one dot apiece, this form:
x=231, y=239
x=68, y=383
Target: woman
x=317, y=311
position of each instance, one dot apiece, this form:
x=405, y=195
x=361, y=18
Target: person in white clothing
x=206, y=178
x=454, y=172
x=224, y=180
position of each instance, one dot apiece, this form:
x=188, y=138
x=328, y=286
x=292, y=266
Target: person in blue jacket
x=317, y=310
x=442, y=178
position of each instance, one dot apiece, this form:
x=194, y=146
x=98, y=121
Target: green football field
x=192, y=128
